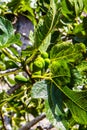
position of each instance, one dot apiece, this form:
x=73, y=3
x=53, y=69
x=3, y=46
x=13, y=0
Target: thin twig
x=28, y=125
x=15, y=20
x=2, y=121
x=27, y=70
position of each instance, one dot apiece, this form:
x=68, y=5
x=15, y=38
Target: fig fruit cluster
x=41, y=63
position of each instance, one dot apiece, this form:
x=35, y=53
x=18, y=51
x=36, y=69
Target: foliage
x=52, y=72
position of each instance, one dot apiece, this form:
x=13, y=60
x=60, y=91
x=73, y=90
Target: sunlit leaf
x=39, y=90
x=45, y=26
x=7, y=36
x=68, y=51
x=72, y=8
x=23, y=6
x=54, y=108
x=60, y=72
x=78, y=114
x=83, y=66
x=77, y=103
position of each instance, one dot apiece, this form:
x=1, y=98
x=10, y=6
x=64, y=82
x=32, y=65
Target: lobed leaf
x=78, y=114
x=79, y=98
x=77, y=102
x=39, y=90
x=45, y=27
x=21, y=7
x=72, y=8
x=7, y=36
x=60, y=72
x=68, y=51
x=54, y=107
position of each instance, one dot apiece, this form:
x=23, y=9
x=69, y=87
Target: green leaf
x=83, y=66
x=78, y=28
x=85, y=5
x=79, y=98
x=14, y=5
x=14, y=51
x=10, y=80
x=39, y=90
x=54, y=108
x=78, y=114
x=59, y=48
x=68, y=51
x=77, y=101
x=77, y=79
x=60, y=125
x=78, y=5
x=62, y=55
x=2, y=66
x=60, y=72
x=72, y=8
x=67, y=9
x=11, y=64
x=21, y=7
x=4, y=98
x=7, y=36
x=45, y=44
x=45, y=27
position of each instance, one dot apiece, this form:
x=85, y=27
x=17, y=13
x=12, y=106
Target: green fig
x=44, y=54
x=21, y=79
x=39, y=63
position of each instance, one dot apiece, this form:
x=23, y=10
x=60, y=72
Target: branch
x=32, y=58
x=7, y=82
x=15, y=87
x=9, y=71
x=28, y=125
x=7, y=52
